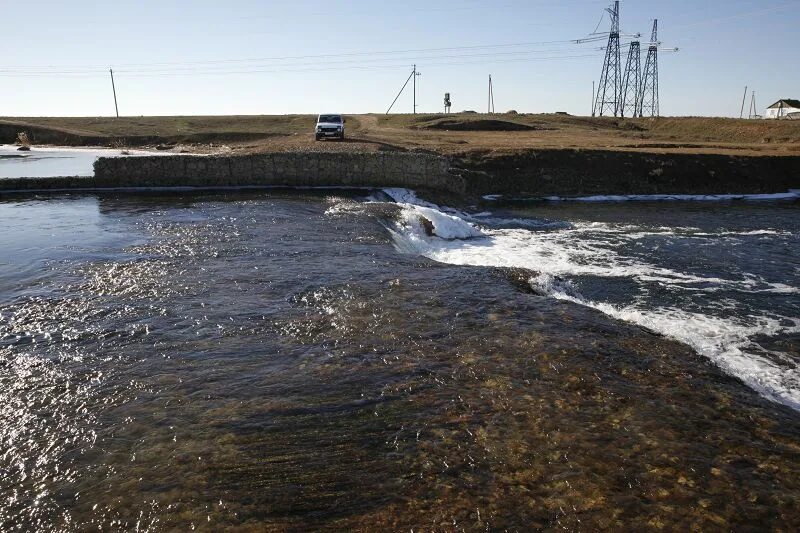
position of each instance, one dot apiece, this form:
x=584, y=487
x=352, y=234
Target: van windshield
x=335, y=119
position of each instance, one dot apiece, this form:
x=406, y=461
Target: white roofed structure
x=786, y=108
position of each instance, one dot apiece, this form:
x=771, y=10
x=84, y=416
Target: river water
x=45, y=162
x=329, y=359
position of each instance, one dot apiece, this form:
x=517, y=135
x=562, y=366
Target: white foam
x=723, y=341
x=447, y=227
x=572, y=251
x=558, y=253
x=407, y=196
x=792, y=194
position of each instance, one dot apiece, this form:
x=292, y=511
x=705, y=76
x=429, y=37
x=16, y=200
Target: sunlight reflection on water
x=262, y=361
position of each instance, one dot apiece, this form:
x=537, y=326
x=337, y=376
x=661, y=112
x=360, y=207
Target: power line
x=315, y=56
x=160, y=74
x=39, y=70
x=716, y=20
x=418, y=58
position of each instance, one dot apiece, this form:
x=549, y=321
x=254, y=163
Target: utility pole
x=741, y=113
x=114, y=89
x=490, y=105
x=753, y=111
x=631, y=85
x=403, y=88
x=610, y=90
x=648, y=99
x=414, y=73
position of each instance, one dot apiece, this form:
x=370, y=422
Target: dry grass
x=425, y=132
x=170, y=126
x=683, y=129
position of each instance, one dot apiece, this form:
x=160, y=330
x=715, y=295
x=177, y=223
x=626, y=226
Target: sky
x=204, y=57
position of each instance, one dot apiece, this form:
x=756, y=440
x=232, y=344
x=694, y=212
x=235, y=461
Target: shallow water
x=723, y=278
x=283, y=361
x=46, y=162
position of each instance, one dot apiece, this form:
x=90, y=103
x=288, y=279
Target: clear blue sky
x=211, y=57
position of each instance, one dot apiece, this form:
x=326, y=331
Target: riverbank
x=457, y=135
x=573, y=172
x=542, y=173
x=465, y=154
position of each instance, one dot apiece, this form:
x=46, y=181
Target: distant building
x=786, y=108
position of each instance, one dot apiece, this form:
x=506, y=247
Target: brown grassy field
x=455, y=134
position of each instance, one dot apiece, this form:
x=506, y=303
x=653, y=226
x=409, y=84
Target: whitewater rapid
x=557, y=253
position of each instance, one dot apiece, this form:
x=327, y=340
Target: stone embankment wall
x=563, y=172
x=568, y=172
x=293, y=169
x=376, y=169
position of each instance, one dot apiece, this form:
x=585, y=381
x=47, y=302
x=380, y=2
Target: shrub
x=23, y=140
x=121, y=145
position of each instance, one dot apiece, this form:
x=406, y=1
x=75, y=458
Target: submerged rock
x=427, y=226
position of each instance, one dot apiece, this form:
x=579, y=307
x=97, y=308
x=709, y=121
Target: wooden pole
x=489, y=100
x=741, y=113
x=415, y=89
x=401, y=92
x=113, y=88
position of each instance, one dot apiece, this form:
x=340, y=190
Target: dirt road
x=457, y=134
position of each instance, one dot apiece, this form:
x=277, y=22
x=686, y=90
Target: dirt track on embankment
x=452, y=135
x=532, y=154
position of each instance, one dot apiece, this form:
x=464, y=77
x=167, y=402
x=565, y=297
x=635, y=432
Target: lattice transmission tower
x=632, y=82
x=609, y=92
x=648, y=99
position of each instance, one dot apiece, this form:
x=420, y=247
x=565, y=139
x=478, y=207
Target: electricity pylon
x=609, y=92
x=648, y=99
x=632, y=82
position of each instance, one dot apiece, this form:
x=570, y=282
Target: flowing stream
x=295, y=360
